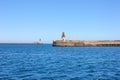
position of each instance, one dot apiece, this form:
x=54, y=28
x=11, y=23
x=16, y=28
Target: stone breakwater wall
x=73, y=43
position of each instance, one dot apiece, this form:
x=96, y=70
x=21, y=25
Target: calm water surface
x=44, y=62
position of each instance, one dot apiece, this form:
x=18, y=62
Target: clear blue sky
x=29, y=20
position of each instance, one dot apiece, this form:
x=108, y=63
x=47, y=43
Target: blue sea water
x=44, y=62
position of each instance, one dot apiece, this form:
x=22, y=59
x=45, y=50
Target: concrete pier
x=72, y=43
x=86, y=43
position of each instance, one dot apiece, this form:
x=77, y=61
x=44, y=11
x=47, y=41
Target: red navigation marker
x=63, y=35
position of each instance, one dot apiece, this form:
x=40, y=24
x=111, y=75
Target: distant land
x=23, y=43
x=16, y=43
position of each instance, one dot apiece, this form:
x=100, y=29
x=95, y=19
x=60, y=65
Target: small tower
x=40, y=40
x=63, y=36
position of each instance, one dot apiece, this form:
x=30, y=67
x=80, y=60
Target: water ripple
x=44, y=62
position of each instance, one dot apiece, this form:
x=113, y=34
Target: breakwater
x=73, y=43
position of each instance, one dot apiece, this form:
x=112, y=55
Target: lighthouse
x=63, y=36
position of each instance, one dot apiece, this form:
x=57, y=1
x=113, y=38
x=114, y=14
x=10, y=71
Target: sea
x=45, y=62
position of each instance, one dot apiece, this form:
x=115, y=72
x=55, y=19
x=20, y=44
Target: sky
x=29, y=20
